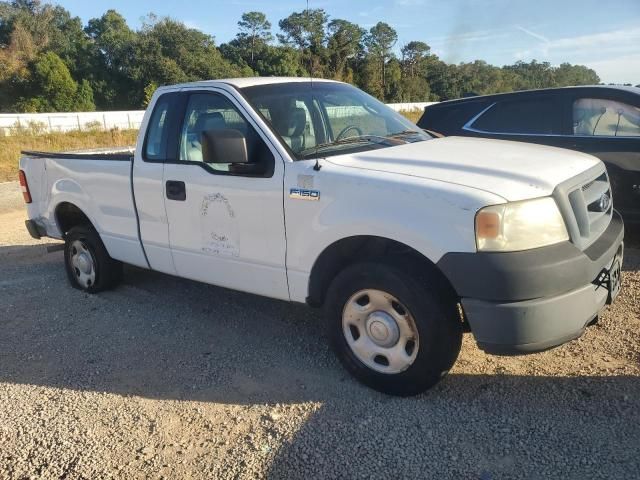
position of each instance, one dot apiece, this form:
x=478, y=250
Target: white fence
x=409, y=107
x=65, y=122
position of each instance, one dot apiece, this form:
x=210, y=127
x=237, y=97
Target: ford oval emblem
x=604, y=203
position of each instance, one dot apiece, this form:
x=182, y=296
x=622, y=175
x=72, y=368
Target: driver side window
x=210, y=111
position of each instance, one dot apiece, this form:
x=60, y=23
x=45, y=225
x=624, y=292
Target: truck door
x=151, y=152
x=226, y=223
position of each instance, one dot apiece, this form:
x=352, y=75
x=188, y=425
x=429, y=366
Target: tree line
x=50, y=61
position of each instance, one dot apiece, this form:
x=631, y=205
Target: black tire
x=435, y=316
x=107, y=271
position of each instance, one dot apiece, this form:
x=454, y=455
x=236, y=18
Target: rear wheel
x=89, y=267
x=393, y=331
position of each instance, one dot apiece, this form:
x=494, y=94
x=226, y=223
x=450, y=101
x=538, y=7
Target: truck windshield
x=329, y=118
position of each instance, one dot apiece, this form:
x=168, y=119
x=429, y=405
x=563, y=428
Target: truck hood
x=512, y=170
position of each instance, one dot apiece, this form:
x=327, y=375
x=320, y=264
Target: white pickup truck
x=316, y=192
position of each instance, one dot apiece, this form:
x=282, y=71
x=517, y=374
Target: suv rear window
x=534, y=116
x=599, y=116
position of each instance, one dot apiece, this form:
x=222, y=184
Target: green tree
x=108, y=64
x=414, y=89
x=306, y=31
x=51, y=28
x=532, y=75
x=480, y=78
x=344, y=43
x=83, y=100
x=235, y=53
x=380, y=42
x=413, y=55
x=16, y=55
x=149, y=90
x=28, y=29
x=52, y=79
x=113, y=61
x=567, y=75
x=280, y=61
x=255, y=33
x=393, y=91
x=442, y=79
x=168, y=52
x=369, y=77
x=51, y=87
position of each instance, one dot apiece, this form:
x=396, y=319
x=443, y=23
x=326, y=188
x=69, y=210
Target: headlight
x=520, y=226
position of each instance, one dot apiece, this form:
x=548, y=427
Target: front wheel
x=89, y=267
x=393, y=331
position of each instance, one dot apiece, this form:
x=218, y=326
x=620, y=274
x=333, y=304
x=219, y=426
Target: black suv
x=600, y=120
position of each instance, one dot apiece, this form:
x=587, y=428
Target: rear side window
x=155, y=147
x=602, y=117
x=534, y=116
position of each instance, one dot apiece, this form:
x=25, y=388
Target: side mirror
x=224, y=146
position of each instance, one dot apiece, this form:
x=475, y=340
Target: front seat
x=292, y=128
x=205, y=121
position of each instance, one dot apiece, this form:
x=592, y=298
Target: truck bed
x=98, y=183
x=123, y=154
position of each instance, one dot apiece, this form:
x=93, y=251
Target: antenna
x=309, y=45
x=317, y=165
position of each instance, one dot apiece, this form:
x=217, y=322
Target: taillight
x=24, y=186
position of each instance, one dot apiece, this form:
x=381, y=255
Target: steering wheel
x=346, y=129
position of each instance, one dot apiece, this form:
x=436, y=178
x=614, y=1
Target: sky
x=603, y=34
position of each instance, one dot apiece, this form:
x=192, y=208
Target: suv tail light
x=24, y=186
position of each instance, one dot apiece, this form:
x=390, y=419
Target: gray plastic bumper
x=36, y=230
x=529, y=301
x=533, y=325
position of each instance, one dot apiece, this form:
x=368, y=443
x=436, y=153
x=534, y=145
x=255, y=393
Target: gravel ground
x=167, y=378
x=10, y=197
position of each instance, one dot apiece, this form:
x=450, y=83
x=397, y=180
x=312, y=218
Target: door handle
x=176, y=190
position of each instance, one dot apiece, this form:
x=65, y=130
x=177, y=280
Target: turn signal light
x=487, y=225
x=24, y=186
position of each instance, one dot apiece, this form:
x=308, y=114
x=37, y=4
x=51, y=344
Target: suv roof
x=634, y=90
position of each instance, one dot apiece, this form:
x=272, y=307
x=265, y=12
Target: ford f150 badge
x=304, y=194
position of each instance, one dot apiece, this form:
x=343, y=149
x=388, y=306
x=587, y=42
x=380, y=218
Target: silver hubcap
x=82, y=264
x=380, y=331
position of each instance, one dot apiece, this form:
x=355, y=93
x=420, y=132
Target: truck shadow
x=162, y=337
x=474, y=427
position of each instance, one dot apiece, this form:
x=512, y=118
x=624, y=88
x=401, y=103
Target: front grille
x=587, y=205
x=592, y=207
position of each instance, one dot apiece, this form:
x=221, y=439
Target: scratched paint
x=219, y=229
x=215, y=198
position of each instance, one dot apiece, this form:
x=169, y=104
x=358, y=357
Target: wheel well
x=350, y=250
x=69, y=216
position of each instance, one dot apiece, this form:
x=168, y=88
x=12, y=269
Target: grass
x=32, y=139
x=412, y=115
x=26, y=139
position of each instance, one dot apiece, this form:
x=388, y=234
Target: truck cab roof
x=249, y=82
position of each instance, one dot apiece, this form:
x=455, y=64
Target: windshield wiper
x=403, y=133
x=344, y=141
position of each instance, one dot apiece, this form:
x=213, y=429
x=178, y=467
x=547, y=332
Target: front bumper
x=529, y=301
